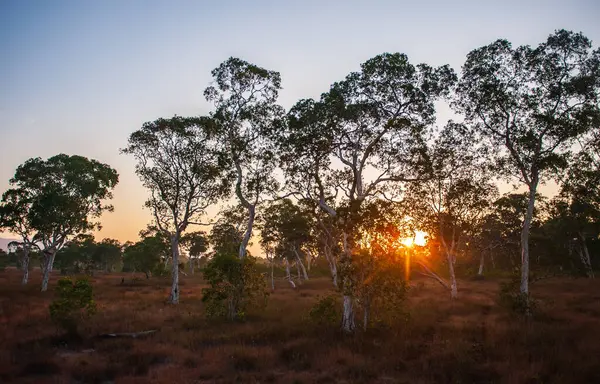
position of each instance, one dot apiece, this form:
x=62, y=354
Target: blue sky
x=79, y=76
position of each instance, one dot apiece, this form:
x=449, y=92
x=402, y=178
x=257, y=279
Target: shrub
x=326, y=311
x=73, y=302
x=510, y=297
x=234, y=285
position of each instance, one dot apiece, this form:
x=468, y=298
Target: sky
x=78, y=77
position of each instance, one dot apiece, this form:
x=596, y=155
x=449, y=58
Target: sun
x=420, y=239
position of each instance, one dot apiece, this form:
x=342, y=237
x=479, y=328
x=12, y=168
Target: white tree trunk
x=47, y=269
x=289, y=275
x=308, y=261
x=585, y=257
x=25, y=266
x=248, y=233
x=272, y=275
x=453, y=285
x=348, y=324
x=191, y=262
x=299, y=261
x=481, y=262
x=366, y=313
x=174, y=296
x=525, y=241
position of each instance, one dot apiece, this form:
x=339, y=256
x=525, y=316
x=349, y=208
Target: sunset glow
x=420, y=239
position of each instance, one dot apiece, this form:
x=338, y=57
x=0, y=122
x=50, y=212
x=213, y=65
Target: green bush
x=234, y=285
x=73, y=302
x=511, y=297
x=326, y=311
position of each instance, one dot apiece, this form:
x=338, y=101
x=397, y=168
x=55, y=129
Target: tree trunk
x=481, y=261
x=25, y=266
x=299, y=261
x=190, y=265
x=453, y=285
x=248, y=233
x=47, y=269
x=334, y=274
x=272, y=276
x=525, y=243
x=289, y=275
x=348, y=324
x=366, y=313
x=174, y=296
x=585, y=257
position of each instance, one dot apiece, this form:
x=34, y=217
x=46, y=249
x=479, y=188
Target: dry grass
x=471, y=340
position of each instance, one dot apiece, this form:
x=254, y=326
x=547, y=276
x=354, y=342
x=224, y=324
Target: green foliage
x=513, y=299
x=235, y=285
x=73, y=302
x=326, y=311
x=146, y=255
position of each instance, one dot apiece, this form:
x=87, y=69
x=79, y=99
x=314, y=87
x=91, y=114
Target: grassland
x=469, y=340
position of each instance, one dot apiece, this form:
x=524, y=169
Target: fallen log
x=128, y=334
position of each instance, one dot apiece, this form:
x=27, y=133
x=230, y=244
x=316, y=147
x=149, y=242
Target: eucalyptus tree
x=178, y=162
x=456, y=197
x=369, y=124
x=14, y=210
x=285, y=230
x=196, y=244
x=530, y=104
x=245, y=98
x=57, y=199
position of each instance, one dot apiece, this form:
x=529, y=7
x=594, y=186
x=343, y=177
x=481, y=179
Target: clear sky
x=79, y=76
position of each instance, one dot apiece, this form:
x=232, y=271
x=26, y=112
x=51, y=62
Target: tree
x=178, y=163
x=108, y=255
x=13, y=217
x=57, y=199
x=370, y=123
x=449, y=205
x=245, y=98
x=227, y=234
x=147, y=254
x=196, y=244
x=530, y=105
x=285, y=231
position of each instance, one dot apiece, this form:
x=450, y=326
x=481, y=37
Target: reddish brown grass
x=470, y=340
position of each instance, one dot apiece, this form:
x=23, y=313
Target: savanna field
x=473, y=339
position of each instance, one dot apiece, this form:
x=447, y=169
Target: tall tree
x=245, y=97
x=62, y=195
x=370, y=123
x=450, y=204
x=178, y=163
x=530, y=104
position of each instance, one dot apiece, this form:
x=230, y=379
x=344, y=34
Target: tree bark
x=272, y=275
x=299, y=261
x=481, y=262
x=453, y=285
x=524, y=288
x=47, y=269
x=366, y=313
x=191, y=262
x=348, y=324
x=289, y=275
x=25, y=266
x=174, y=296
x=585, y=257
x=248, y=233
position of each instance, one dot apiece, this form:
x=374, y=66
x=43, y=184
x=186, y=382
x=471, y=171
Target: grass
x=470, y=340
